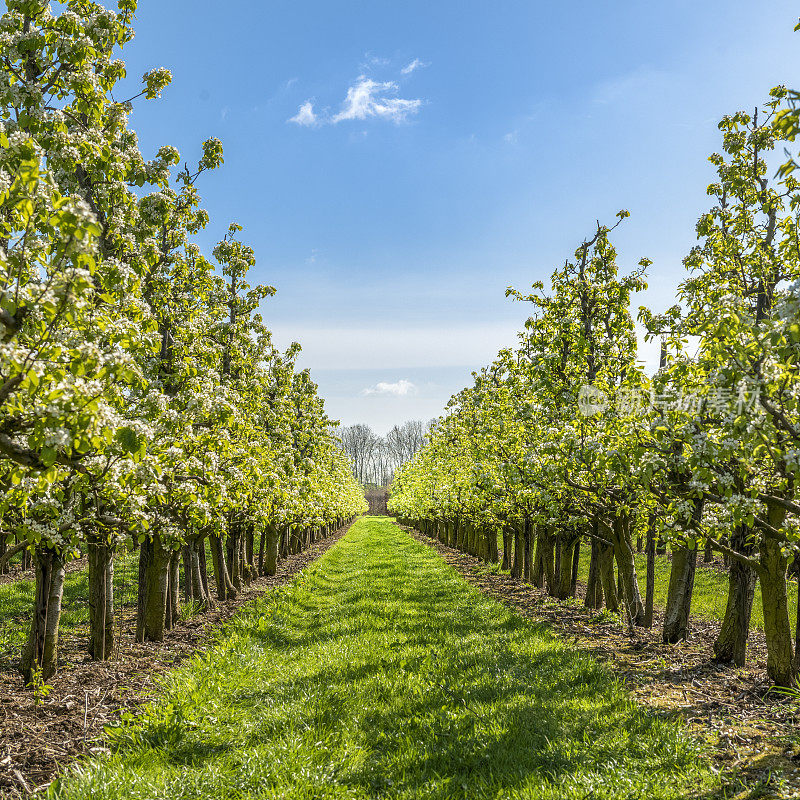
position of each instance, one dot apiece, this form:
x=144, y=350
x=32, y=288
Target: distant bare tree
x=359, y=442
x=375, y=459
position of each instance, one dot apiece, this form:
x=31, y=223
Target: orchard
x=579, y=581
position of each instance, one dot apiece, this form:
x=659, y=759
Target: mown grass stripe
x=379, y=673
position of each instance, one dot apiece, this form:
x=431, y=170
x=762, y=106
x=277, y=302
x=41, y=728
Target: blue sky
x=455, y=148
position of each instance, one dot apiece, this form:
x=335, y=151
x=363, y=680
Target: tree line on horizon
x=375, y=459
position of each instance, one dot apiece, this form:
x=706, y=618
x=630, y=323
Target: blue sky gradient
x=391, y=238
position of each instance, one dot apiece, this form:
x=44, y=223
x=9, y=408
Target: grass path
x=379, y=673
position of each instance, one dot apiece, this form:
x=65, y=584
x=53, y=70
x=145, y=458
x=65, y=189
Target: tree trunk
x=538, y=557
x=506, y=548
x=262, y=545
x=100, y=556
x=606, y=553
x=187, y=574
x=527, y=533
x=494, y=554
x=284, y=548
x=199, y=591
x=708, y=553
x=731, y=644
x=174, y=591
x=576, y=554
x=40, y=656
x=557, y=540
x=567, y=549
x=201, y=554
x=452, y=534
x=225, y=587
x=679, y=595
x=271, y=551
x=519, y=552
x=248, y=573
x=797, y=617
x=650, y=578
x=151, y=609
x=623, y=545
x=548, y=560
x=777, y=629
x=234, y=554
x=594, y=583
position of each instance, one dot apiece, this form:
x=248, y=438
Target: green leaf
x=48, y=456
x=128, y=439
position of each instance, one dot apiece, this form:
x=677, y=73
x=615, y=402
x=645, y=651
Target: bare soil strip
x=37, y=740
x=752, y=730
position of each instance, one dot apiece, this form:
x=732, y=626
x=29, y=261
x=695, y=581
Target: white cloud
x=367, y=98
x=402, y=388
x=415, y=64
x=305, y=116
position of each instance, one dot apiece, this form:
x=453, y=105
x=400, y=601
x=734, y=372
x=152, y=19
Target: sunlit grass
x=380, y=673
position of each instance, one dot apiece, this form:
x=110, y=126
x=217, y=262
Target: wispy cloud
x=305, y=115
x=367, y=98
x=402, y=388
x=371, y=60
x=410, y=67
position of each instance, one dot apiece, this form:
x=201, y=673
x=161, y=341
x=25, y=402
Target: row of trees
x=142, y=401
x=375, y=458
x=565, y=439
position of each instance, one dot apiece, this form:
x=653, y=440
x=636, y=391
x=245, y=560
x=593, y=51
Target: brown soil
x=752, y=730
x=38, y=739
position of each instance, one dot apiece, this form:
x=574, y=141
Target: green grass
x=379, y=673
x=710, y=587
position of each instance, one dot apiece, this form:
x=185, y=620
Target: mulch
x=751, y=729
x=38, y=739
